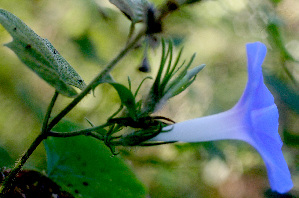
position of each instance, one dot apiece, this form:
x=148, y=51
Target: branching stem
x=95, y=81
x=76, y=133
x=9, y=180
x=46, y=127
x=49, y=111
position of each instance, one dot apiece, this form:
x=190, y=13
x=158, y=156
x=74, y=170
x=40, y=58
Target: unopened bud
x=145, y=66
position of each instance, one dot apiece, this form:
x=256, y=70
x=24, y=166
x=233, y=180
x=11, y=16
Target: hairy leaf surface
x=40, y=56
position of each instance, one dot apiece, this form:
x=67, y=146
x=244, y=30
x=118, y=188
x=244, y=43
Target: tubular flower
x=254, y=119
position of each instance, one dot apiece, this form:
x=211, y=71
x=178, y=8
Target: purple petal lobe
x=262, y=116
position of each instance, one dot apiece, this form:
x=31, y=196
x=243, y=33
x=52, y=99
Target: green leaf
x=126, y=97
x=106, y=79
x=84, y=167
x=40, y=56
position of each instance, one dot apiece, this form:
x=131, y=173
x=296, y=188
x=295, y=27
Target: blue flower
x=254, y=119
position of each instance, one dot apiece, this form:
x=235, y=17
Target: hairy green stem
x=49, y=111
x=96, y=135
x=95, y=81
x=9, y=180
x=76, y=133
x=46, y=127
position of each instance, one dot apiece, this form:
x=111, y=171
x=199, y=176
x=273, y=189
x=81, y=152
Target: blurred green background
x=90, y=33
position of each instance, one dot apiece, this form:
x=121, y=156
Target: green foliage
x=276, y=38
x=127, y=98
x=215, y=35
x=84, y=166
x=276, y=1
x=169, y=82
x=87, y=47
x=40, y=56
x=184, y=81
x=287, y=95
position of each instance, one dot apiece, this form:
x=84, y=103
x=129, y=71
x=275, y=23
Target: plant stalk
x=46, y=127
x=76, y=133
x=95, y=81
x=9, y=180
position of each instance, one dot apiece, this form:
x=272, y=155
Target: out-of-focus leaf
x=214, y=150
x=84, y=166
x=177, y=40
x=126, y=97
x=286, y=94
x=272, y=194
x=290, y=138
x=87, y=48
x=276, y=38
x=40, y=56
x=276, y=1
x=5, y=158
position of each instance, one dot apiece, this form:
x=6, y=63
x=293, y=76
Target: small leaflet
x=40, y=56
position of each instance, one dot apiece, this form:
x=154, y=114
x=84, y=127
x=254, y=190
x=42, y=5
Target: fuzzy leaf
x=40, y=56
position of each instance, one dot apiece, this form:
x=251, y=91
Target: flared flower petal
x=254, y=119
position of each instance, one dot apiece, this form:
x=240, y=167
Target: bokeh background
x=90, y=33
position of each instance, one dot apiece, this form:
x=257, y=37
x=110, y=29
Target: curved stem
x=9, y=180
x=132, y=29
x=49, y=111
x=76, y=133
x=86, y=132
x=95, y=81
x=287, y=71
x=96, y=135
x=117, y=111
